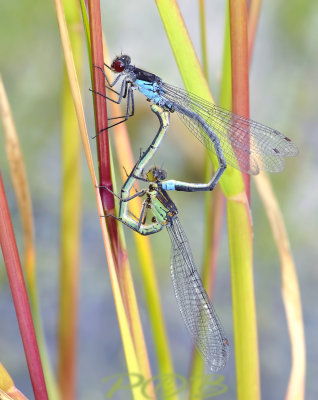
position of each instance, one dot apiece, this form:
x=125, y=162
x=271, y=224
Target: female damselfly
x=195, y=307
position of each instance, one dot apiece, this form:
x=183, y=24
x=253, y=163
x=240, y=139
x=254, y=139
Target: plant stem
x=101, y=122
x=20, y=298
x=240, y=68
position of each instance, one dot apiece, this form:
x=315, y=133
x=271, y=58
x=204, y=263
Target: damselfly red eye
x=118, y=65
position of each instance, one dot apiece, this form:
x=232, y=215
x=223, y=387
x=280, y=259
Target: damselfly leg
x=125, y=92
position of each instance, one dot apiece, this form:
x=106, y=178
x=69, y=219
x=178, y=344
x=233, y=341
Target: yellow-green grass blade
x=21, y=188
x=70, y=215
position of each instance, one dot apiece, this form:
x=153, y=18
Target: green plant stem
x=70, y=217
x=203, y=39
x=240, y=228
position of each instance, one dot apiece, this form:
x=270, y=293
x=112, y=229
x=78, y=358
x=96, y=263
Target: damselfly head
x=156, y=174
x=120, y=63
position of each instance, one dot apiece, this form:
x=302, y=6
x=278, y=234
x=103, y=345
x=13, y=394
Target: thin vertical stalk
x=21, y=188
x=20, y=298
x=290, y=290
x=290, y=287
x=225, y=99
x=203, y=39
x=240, y=228
x=101, y=122
x=240, y=68
x=70, y=218
x=243, y=300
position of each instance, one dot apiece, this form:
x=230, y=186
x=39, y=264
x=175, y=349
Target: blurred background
x=283, y=94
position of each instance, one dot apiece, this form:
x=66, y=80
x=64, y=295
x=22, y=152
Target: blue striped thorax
x=154, y=92
x=150, y=89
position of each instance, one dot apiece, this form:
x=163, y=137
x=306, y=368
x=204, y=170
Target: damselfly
x=242, y=143
x=195, y=307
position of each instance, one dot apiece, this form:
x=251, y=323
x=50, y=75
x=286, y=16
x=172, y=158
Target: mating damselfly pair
x=220, y=131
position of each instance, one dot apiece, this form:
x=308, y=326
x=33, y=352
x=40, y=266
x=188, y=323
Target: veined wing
x=265, y=150
x=198, y=313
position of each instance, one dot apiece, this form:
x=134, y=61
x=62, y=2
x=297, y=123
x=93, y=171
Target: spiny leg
x=130, y=108
x=105, y=76
x=138, y=194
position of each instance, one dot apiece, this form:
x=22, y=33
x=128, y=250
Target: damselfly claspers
x=195, y=307
x=242, y=143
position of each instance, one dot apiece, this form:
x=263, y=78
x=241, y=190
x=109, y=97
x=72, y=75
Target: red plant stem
x=253, y=11
x=217, y=216
x=240, y=69
x=20, y=298
x=218, y=208
x=101, y=122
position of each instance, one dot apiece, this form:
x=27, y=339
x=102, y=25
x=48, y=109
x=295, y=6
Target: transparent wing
x=267, y=147
x=198, y=313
